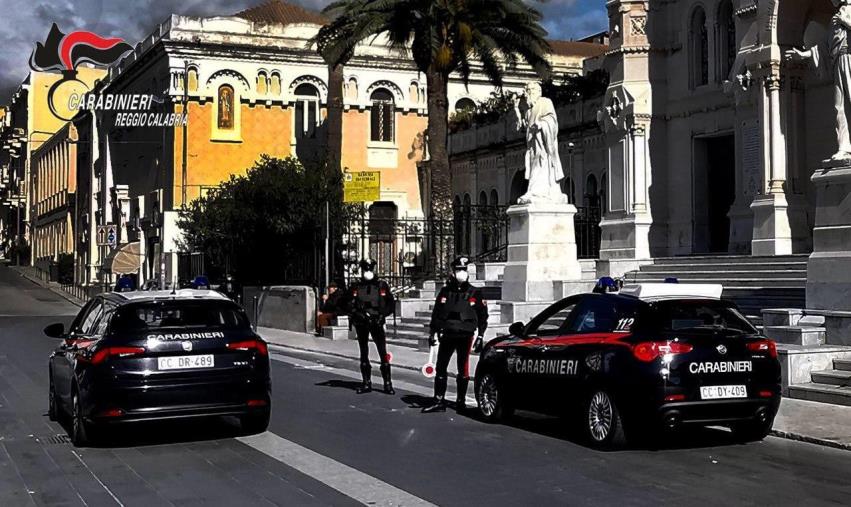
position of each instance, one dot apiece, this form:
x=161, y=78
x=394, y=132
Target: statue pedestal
x=829, y=267
x=541, y=251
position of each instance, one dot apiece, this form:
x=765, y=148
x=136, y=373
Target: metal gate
x=586, y=222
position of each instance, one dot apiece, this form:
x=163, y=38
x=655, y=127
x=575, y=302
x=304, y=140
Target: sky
x=28, y=21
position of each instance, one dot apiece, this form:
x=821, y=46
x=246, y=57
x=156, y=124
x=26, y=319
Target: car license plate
x=722, y=392
x=185, y=362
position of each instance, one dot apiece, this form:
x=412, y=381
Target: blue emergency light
x=201, y=282
x=606, y=284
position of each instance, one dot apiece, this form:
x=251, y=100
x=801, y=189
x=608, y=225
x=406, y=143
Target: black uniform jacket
x=369, y=301
x=459, y=309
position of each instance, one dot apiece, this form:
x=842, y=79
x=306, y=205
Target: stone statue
x=543, y=164
x=838, y=49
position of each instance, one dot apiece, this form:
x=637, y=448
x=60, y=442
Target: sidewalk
x=806, y=421
x=31, y=274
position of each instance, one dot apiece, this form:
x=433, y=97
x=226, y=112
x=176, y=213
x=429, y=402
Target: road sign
x=362, y=186
x=107, y=235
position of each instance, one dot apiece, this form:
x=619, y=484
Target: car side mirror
x=55, y=330
x=517, y=329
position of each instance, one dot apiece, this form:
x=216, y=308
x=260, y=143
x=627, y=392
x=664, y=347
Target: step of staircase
x=832, y=377
x=842, y=364
x=732, y=259
x=824, y=393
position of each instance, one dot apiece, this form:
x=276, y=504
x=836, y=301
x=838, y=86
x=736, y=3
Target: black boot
x=439, y=405
x=388, y=383
x=461, y=400
x=366, y=373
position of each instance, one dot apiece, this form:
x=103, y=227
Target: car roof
x=164, y=295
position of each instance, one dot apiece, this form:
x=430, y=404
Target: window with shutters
x=382, y=116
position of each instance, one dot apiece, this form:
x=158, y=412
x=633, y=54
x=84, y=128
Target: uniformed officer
x=459, y=313
x=368, y=303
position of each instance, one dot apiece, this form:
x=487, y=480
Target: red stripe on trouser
x=467, y=362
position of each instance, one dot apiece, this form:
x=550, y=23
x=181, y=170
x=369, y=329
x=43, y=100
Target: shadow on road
x=417, y=401
x=343, y=384
x=140, y=434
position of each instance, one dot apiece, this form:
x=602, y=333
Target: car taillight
x=257, y=345
x=107, y=352
x=764, y=347
x=650, y=351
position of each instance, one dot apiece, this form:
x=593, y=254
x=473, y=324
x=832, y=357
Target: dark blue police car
x=141, y=356
x=650, y=358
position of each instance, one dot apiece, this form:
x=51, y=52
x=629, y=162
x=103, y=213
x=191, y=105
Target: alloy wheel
x=488, y=395
x=600, y=416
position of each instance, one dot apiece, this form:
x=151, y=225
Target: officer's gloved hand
x=479, y=344
x=432, y=340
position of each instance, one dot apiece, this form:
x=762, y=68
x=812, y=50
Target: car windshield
x=169, y=314
x=696, y=314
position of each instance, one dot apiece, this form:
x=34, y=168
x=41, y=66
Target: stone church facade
x=705, y=140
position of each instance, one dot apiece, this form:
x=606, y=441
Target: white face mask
x=462, y=276
x=368, y=275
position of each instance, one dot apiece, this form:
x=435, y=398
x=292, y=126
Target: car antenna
x=174, y=287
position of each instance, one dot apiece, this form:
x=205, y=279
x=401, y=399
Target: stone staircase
x=753, y=283
x=413, y=313
x=827, y=386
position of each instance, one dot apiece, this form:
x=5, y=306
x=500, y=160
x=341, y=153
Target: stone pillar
x=829, y=267
x=541, y=253
x=772, y=234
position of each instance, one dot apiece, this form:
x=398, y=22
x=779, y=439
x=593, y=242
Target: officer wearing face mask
x=460, y=313
x=368, y=303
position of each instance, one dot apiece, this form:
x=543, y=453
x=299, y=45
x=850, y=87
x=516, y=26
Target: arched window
x=307, y=116
x=604, y=193
x=465, y=104
x=275, y=88
x=591, y=197
x=494, y=198
x=382, y=116
x=193, y=79
x=699, y=49
x=727, y=44
x=262, y=83
x=226, y=107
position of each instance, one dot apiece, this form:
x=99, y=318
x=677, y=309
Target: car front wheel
x=491, y=399
x=603, y=422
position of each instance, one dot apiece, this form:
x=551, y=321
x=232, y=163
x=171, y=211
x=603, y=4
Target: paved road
x=328, y=446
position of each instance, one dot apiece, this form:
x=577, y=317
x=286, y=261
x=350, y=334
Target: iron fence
x=586, y=223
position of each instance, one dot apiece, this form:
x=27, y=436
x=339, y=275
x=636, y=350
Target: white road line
x=80, y=459
x=351, y=482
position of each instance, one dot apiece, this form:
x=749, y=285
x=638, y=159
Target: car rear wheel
x=251, y=424
x=491, y=399
x=752, y=431
x=603, y=423
x=81, y=431
x=52, y=405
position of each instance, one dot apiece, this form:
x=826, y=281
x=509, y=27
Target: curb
x=791, y=435
x=787, y=435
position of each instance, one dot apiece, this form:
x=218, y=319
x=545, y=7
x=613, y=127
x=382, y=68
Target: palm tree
x=336, y=44
x=443, y=37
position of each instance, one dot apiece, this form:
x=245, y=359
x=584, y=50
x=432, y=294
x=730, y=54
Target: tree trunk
x=440, y=205
x=334, y=122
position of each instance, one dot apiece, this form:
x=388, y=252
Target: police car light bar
x=672, y=290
